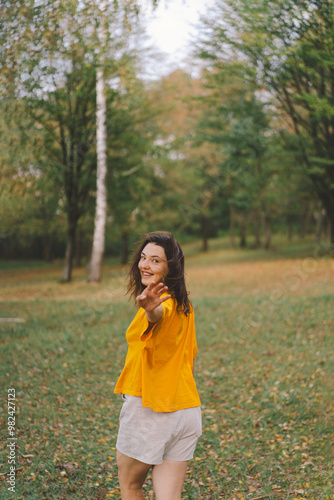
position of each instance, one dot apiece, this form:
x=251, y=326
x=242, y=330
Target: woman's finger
x=162, y=299
x=159, y=288
x=154, y=286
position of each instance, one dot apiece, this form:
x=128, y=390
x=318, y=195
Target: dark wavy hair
x=175, y=278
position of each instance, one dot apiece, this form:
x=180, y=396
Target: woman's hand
x=151, y=298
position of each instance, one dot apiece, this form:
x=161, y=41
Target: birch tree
x=48, y=60
x=95, y=268
x=101, y=152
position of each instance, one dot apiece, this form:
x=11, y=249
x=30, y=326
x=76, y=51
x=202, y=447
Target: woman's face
x=153, y=264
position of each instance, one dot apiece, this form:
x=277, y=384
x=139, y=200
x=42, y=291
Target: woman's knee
x=131, y=472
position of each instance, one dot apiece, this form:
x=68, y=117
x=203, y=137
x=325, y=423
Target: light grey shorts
x=151, y=436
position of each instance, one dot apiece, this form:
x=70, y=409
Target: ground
x=264, y=371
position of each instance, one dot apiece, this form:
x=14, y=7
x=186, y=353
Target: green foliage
x=49, y=62
x=190, y=155
x=289, y=46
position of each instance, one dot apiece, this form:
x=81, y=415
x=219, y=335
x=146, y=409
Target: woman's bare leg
x=131, y=474
x=168, y=479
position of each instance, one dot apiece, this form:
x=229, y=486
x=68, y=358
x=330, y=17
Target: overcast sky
x=171, y=25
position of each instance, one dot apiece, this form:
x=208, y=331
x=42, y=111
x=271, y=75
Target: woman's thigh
x=131, y=472
x=168, y=479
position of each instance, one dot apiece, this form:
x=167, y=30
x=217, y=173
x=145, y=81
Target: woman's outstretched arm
x=150, y=300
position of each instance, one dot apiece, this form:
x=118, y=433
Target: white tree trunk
x=101, y=149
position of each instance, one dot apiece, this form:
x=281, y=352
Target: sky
x=170, y=27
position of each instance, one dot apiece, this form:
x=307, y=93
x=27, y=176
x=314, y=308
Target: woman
x=160, y=421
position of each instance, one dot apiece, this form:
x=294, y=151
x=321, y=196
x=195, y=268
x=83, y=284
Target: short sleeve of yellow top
x=159, y=363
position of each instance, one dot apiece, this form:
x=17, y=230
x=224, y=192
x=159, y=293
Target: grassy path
x=265, y=373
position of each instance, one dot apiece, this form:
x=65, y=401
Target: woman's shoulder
x=170, y=304
x=173, y=305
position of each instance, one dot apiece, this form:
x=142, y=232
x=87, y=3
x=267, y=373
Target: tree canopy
x=245, y=145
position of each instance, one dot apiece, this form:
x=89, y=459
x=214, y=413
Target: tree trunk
x=305, y=221
x=318, y=215
x=48, y=247
x=78, y=249
x=289, y=220
x=205, y=234
x=243, y=241
x=256, y=220
x=70, y=249
x=101, y=192
x=267, y=231
x=101, y=140
x=125, y=247
x=329, y=229
x=328, y=204
x=232, y=226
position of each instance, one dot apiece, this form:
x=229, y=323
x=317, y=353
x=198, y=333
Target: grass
x=264, y=372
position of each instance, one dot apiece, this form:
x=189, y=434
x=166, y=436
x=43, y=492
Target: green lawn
x=264, y=372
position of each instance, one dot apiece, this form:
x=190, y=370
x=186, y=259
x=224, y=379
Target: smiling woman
x=160, y=421
x=170, y=251
x=153, y=264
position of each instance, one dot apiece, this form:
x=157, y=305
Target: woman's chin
x=147, y=281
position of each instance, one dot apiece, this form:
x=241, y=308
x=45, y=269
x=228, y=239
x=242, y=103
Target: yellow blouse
x=159, y=363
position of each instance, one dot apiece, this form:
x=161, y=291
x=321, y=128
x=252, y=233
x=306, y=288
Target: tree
x=48, y=60
x=290, y=46
x=101, y=143
x=31, y=218
x=133, y=129
x=190, y=168
x=101, y=136
x=236, y=121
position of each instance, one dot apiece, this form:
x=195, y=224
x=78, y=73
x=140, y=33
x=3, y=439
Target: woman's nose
x=145, y=264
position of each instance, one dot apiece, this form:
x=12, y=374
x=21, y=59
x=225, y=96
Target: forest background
x=241, y=145
x=235, y=152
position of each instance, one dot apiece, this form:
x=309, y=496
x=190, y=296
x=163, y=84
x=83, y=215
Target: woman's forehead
x=153, y=250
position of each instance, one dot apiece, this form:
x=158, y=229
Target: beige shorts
x=151, y=436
